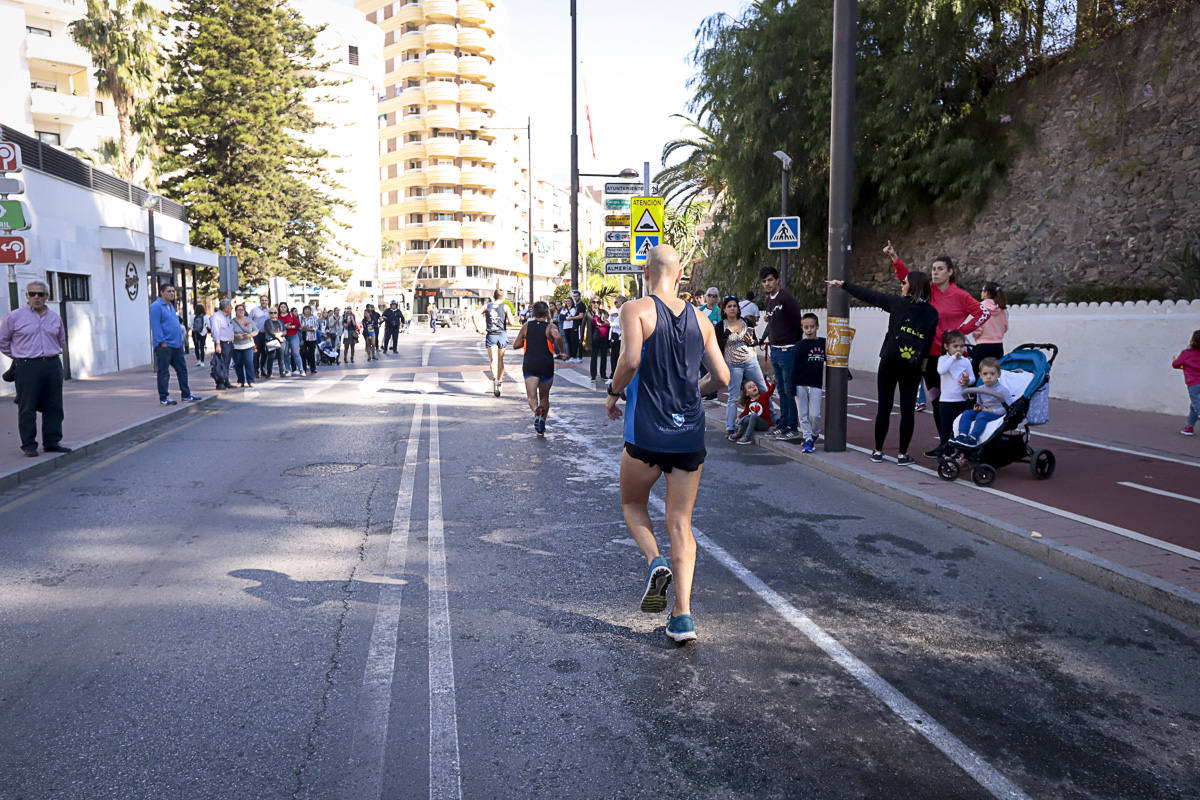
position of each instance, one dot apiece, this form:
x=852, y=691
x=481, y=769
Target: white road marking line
x=1095, y=523
x=1112, y=447
x=445, y=772
x=374, y=381
x=856, y=416
x=376, y=701
x=425, y=353
x=313, y=388
x=1162, y=492
x=967, y=759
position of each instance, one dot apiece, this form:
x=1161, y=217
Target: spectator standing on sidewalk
x=275, y=337
x=736, y=340
x=393, y=320
x=956, y=371
x=308, y=339
x=912, y=320
x=783, y=333
x=989, y=337
x=573, y=326
x=291, y=330
x=244, y=333
x=370, y=331
x=810, y=380
x=598, y=332
x=167, y=334
x=712, y=305
x=34, y=337
x=1189, y=362
x=350, y=333
x=614, y=333
x=955, y=307
x=199, y=332
x=222, y=336
x=259, y=315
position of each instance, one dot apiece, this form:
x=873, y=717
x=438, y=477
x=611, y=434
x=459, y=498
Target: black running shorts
x=688, y=462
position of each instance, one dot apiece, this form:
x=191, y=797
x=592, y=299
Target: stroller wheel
x=947, y=469
x=983, y=475
x=1042, y=464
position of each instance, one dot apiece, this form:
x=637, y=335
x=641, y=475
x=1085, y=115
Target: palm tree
x=120, y=35
x=696, y=173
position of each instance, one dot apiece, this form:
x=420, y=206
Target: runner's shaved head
x=662, y=263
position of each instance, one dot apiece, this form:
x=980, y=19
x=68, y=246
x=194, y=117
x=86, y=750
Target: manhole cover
x=318, y=470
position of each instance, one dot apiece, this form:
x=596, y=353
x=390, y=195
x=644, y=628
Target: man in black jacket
x=393, y=320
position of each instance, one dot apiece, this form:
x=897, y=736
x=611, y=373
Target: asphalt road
x=377, y=583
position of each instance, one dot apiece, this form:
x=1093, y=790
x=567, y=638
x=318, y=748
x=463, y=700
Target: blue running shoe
x=658, y=578
x=681, y=629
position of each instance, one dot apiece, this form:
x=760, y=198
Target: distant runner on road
x=496, y=319
x=664, y=339
x=538, y=365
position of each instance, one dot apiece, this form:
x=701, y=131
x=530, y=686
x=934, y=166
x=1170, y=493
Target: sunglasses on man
x=35, y=294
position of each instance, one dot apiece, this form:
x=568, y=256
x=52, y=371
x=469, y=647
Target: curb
x=1155, y=593
x=44, y=466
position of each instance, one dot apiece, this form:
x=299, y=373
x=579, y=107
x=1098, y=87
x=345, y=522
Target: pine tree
x=233, y=115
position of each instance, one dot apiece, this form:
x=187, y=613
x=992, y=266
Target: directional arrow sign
x=616, y=203
x=621, y=268
x=13, y=250
x=614, y=221
x=783, y=233
x=616, y=252
x=622, y=188
x=616, y=236
x=13, y=216
x=10, y=157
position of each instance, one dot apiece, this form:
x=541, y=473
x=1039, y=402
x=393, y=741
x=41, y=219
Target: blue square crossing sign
x=783, y=233
x=641, y=246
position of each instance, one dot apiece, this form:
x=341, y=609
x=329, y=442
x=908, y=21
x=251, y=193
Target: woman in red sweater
x=957, y=310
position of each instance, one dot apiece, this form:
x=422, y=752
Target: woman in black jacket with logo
x=912, y=322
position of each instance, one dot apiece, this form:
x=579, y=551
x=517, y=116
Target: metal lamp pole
x=574, y=156
x=841, y=211
x=786, y=168
x=529, y=219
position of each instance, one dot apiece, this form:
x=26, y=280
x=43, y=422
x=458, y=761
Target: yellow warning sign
x=645, y=226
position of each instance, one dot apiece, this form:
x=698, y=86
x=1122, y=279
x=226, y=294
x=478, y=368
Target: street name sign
x=11, y=186
x=616, y=252
x=616, y=236
x=614, y=221
x=13, y=216
x=621, y=268
x=645, y=226
x=10, y=157
x=13, y=250
x=616, y=203
x=783, y=233
x=622, y=188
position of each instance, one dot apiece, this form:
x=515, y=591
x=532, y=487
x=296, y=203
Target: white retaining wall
x=1114, y=354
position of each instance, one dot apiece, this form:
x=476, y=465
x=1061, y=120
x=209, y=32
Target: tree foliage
x=234, y=115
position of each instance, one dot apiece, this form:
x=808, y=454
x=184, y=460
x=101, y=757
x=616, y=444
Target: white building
x=89, y=241
x=49, y=91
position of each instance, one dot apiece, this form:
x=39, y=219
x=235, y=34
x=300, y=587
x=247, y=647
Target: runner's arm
x=560, y=346
x=632, y=337
x=519, y=342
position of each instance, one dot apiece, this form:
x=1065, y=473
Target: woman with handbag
x=274, y=330
x=350, y=326
x=244, y=331
x=912, y=322
x=308, y=340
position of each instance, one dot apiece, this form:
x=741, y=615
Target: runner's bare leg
x=544, y=396
x=531, y=392
x=681, y=498
x=637, y=478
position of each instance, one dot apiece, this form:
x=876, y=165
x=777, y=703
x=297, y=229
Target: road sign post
x=645, y=227
x=621, y=268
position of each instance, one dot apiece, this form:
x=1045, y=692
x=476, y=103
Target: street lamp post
x=150, y=203
x=574, y=156
x=786, y=168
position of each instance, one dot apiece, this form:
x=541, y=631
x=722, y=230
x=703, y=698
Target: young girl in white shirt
x=954, y=368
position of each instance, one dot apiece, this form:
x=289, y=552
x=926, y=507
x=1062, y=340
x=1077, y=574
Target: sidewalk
x=98, y=412
x=1120, y=511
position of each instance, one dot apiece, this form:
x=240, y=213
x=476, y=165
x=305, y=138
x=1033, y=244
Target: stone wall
x=1105, y=183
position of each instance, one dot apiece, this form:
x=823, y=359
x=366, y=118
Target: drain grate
x=321, y=470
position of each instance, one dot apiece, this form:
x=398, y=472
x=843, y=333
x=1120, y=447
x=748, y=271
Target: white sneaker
x=295, y=373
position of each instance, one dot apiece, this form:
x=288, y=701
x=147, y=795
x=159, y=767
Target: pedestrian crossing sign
x=645, y=226
x=783, y=233
x=641, y=247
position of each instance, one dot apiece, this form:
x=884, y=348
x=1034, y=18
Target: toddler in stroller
x=1014, y=394
x=327, y=349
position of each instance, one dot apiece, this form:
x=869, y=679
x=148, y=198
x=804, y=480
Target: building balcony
x=442, y=147
x=410, y=205
x=478, y=257
x=391, y=210
x=441, y=175
x=476, y=148
x=409, y=179
x=473, y=94
x=440, y=10
x=404, y=126
x=408, y=13
x=473, y=40
x=477, y=176
x=478, y=204
x=415, y=230
x=443, y=65
x=414, y=96
x=410, y=150
x=407, y=70
x=441, y=92
x=60, y=10
x=61, y=107
x=58, y=54
x=445, y=119
x=471, y=120
x=411, y=40
x=442, y=229
x=449, y=256
x=440, y=36
x=484, y=231
x=413, y=258
x=476, y=68
x=443, y=203
x=473, y=12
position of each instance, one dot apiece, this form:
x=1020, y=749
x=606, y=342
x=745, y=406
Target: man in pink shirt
x=33, y=337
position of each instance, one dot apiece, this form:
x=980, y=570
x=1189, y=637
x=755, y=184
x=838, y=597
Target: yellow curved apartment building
x=437, y=160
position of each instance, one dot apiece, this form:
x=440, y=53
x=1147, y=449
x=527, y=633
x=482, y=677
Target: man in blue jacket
x=167, y=334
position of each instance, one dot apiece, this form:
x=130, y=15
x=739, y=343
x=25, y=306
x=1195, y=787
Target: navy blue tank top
x=663, y=411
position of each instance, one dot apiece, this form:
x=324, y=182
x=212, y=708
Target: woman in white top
x=244, y=331
x=614, y=332
x=737, y=340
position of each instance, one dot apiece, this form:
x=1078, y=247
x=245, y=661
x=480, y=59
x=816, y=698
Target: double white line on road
x=445, y=774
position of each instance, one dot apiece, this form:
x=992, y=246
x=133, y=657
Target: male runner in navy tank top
x=538, y=363
x=663, y=341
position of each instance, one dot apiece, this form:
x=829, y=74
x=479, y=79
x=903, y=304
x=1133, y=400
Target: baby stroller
x=1025, y=372
x=327, y=350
